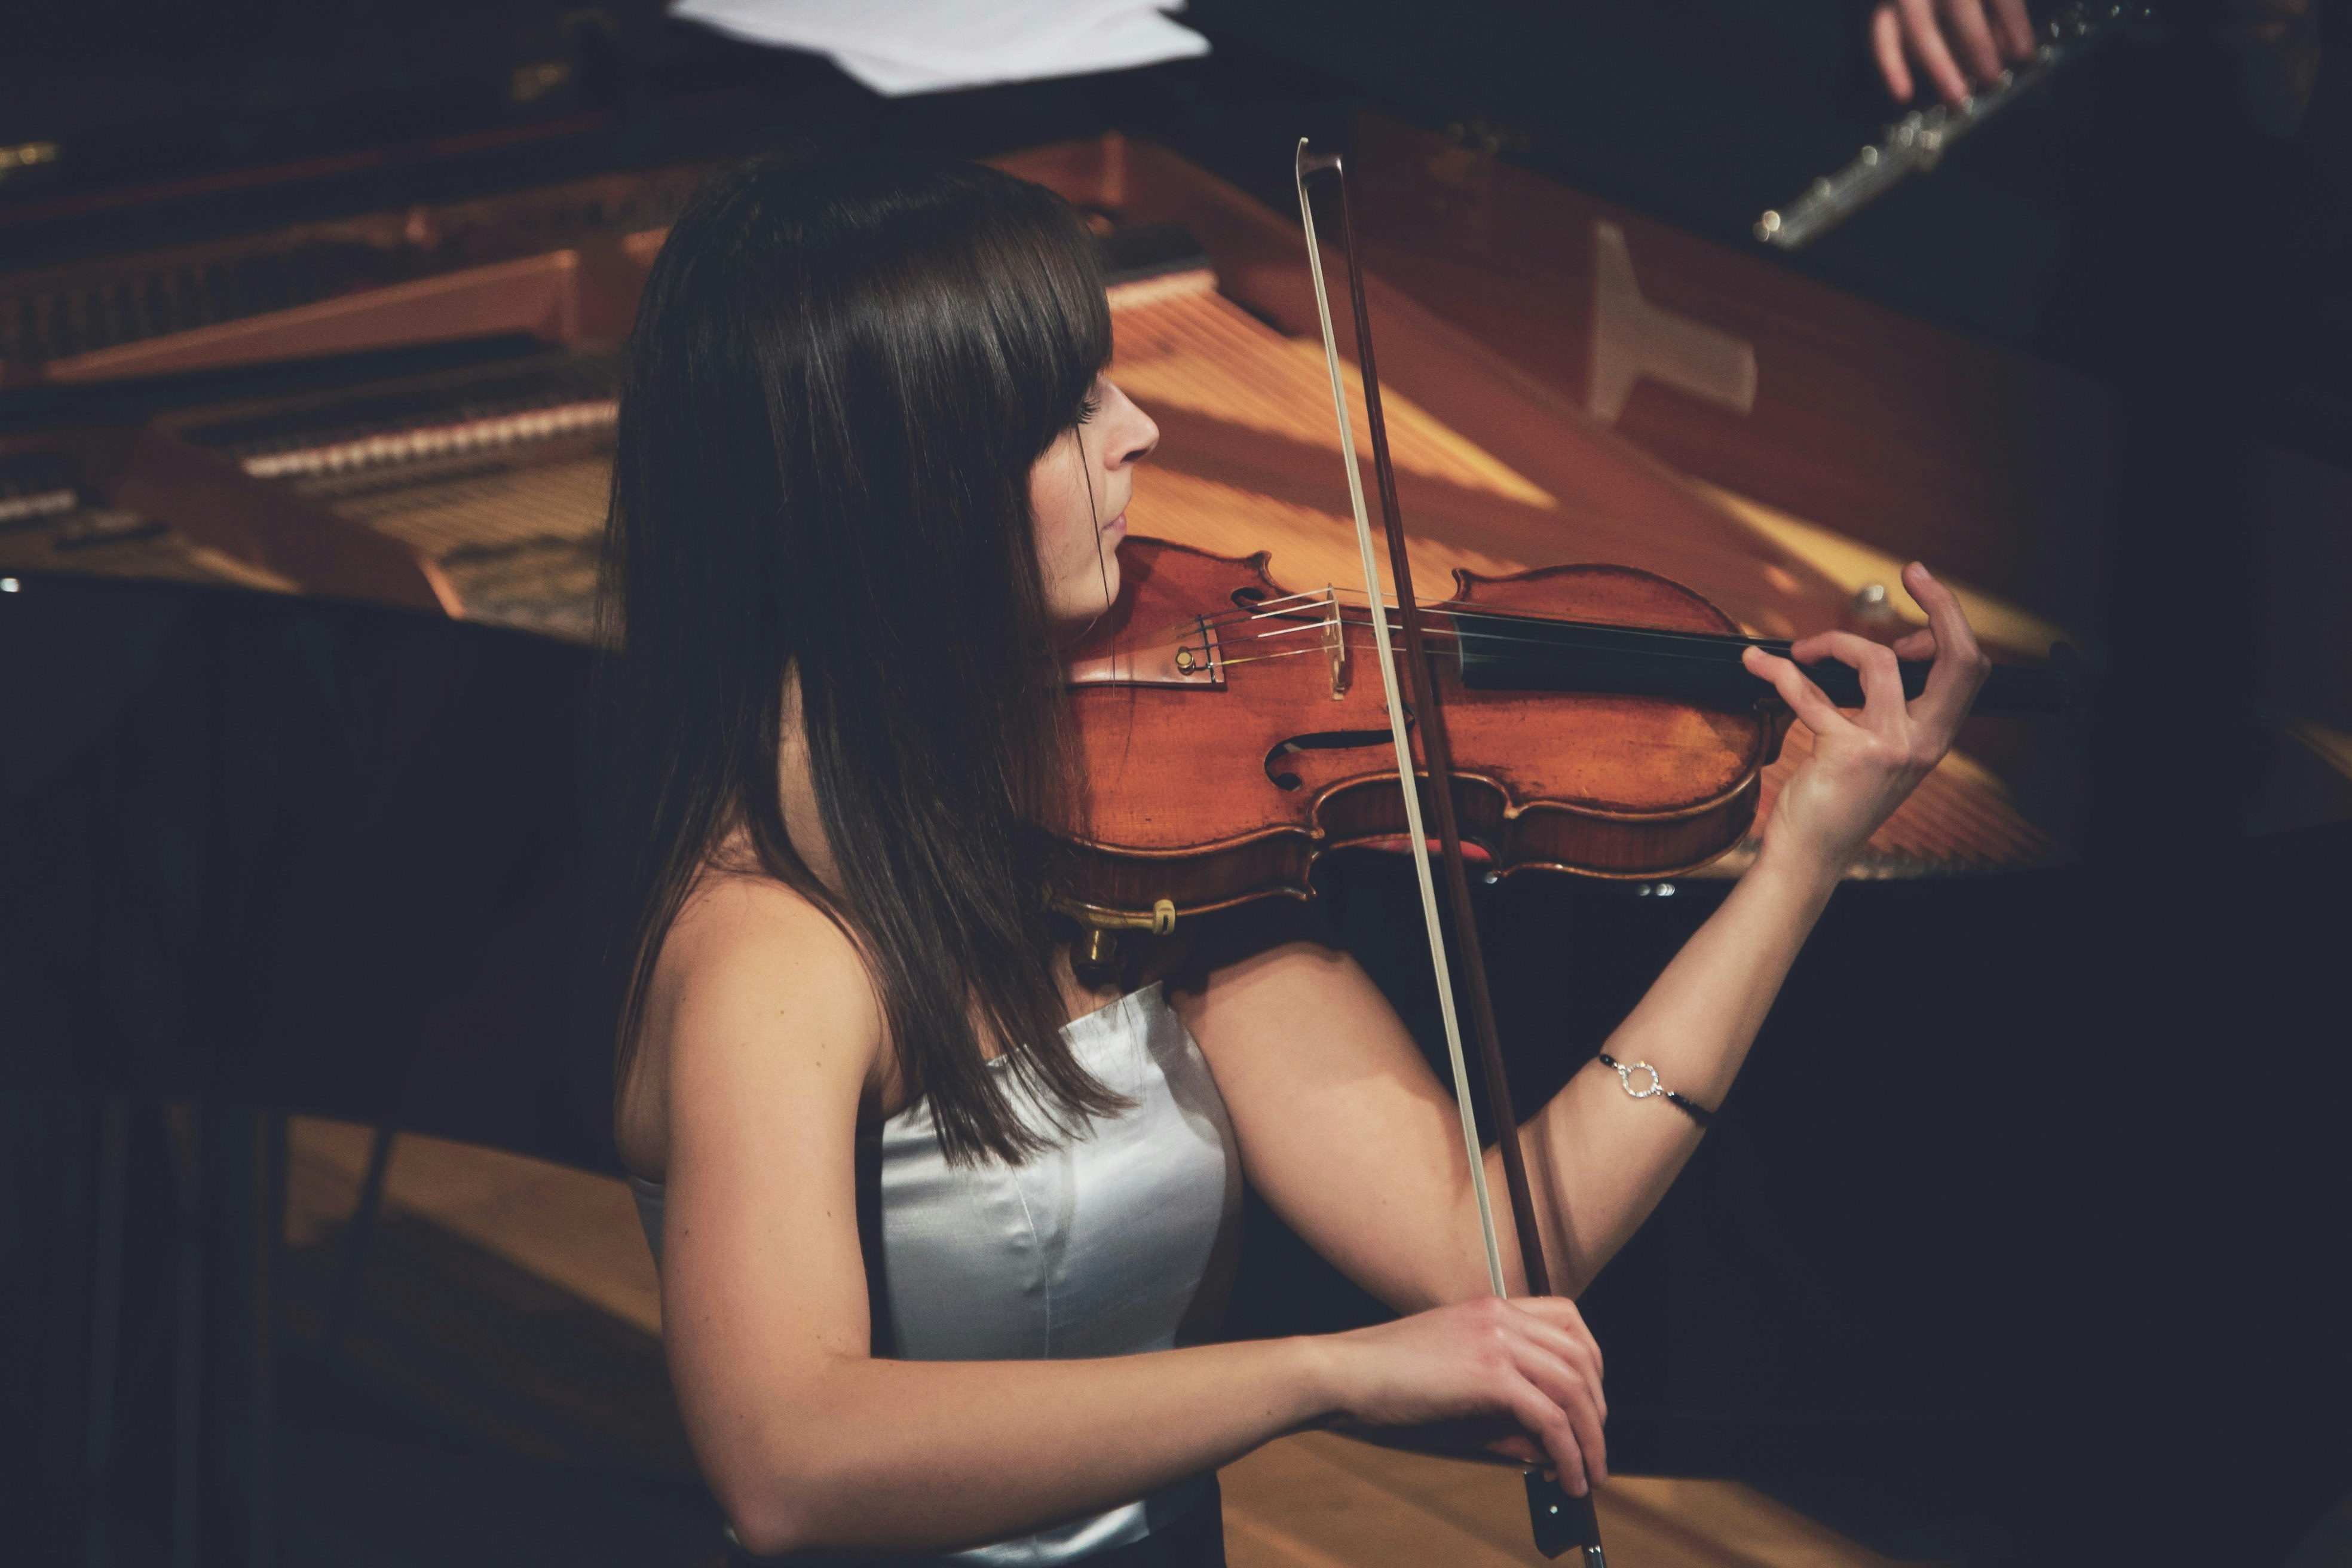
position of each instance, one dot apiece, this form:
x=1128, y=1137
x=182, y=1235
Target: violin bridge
x=1335, y=643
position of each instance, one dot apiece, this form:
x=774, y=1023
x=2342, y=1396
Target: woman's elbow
x=766, y=1519
x=781, y=1458
x=760, y=1533
x=772, y=1500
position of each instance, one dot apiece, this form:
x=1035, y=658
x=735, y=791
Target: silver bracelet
x=1697, y=1113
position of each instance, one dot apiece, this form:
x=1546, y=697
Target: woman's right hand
x=1529, y=1361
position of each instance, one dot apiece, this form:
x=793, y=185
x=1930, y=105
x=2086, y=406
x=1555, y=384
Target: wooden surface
x=552, y=259
x=1316, y=1501
x=537, y=294
x=276, y=530
x=1313, y=1500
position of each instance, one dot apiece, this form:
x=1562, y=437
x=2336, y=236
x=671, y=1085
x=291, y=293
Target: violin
x=1595, y=719
x=1236, y=730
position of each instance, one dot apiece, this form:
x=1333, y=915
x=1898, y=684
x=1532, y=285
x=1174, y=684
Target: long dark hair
x=840, y=377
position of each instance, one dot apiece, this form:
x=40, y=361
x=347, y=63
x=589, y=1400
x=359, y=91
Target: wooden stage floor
x=511, y=1309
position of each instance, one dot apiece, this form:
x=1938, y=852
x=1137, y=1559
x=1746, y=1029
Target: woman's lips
x=1116, y=527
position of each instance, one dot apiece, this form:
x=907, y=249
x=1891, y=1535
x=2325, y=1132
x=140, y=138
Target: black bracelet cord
x=1689, y=1107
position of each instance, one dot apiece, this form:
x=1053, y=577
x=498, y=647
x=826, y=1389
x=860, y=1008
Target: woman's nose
x=1133, y=433
x=1146, y=438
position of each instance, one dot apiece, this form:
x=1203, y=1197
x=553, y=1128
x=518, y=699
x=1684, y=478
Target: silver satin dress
x=1113, y=1243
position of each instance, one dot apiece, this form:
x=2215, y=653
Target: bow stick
x=1559, y=1520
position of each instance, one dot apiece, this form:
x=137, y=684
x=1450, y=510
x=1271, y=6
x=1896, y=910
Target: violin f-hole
x=1323, y=740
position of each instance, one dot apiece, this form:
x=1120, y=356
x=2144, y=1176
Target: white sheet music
x=902, y=47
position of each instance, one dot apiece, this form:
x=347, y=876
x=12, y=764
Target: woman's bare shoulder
x=737, y=932
x=756, y=992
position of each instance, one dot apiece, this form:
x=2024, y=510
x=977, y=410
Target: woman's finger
x=1882, y=681
x=1808, y=701
x=1925, y=40
x=1519, y=1446
x=1568, y=1389
x=1887, y=43
x=1945, y=619
x=1920, y=644
x=1561, y=1313
x=1548, y=1425
x=2015, y=27
x=1965, y=22
x=1961, y=665
x=1575, y=1355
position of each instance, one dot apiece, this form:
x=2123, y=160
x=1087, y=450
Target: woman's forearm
x=1599, y=1160
x=892, y=1455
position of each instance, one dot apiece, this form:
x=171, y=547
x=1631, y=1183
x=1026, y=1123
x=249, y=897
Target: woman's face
x=1079, y=492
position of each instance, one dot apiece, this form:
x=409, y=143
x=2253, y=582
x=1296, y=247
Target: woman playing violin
x=942, y=1232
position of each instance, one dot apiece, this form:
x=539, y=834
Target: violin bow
x=1559, y=1519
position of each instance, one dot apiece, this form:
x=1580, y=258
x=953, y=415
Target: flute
x=1918, y=142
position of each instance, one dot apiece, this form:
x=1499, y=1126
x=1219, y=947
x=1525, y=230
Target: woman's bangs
x=1053, y=321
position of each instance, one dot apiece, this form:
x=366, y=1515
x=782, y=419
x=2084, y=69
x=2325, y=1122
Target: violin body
x=1232, y=731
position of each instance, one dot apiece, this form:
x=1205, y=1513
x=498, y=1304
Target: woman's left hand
x=1864, y=764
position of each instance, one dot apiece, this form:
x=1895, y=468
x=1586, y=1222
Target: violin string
x=1224, y=663
x=1656, y=641
x=1654, y=635
x=1546, y=652
x=1715, y=642
x=1569, y=646
x=1555, y=636
x=1543, y=633
x=1315, y=626
x=1272, y=608
x=1647, y=634
x=1560, y=641
x=1565, y=653
x=1258, y=612
x=1539, y=630
x=2018, y=680
x=1699, y=650
x=1711, y=647
x=1302, y=604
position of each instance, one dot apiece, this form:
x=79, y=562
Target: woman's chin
x=1106, y=580
x=1107, y=589
x=1072, y=616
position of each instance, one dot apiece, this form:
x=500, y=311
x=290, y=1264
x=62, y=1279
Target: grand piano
x=302, y=456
